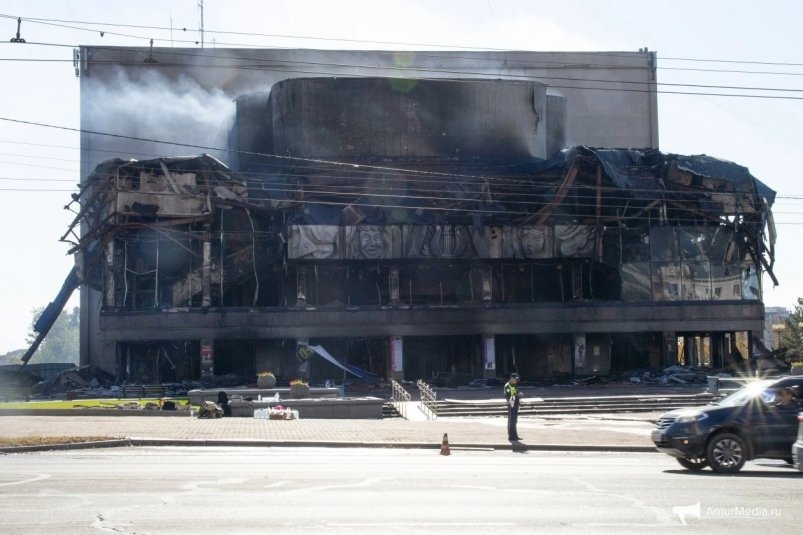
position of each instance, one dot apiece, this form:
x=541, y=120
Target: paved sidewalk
x=612, y=432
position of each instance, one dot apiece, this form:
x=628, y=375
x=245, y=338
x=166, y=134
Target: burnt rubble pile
x=672, y=375
x=83, y=383
x=675, y=375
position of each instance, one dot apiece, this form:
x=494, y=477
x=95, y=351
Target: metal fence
x=427, y=397
x=399, y=398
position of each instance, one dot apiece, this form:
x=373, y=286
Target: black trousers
x=512, y=420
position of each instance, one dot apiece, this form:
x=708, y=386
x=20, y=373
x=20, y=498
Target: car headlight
x=691, y=417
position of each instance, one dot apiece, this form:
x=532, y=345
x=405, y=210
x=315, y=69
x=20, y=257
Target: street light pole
x=778, y=328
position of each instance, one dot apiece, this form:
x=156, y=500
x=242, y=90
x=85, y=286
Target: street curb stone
x=257, y=443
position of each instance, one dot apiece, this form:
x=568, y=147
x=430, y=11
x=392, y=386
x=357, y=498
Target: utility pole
x=201, y=7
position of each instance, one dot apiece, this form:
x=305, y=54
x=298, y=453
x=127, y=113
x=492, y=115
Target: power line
x=749, y=62
x=522, y=185
x=445, y=194
x=539, y=189
x=430, y=70
x=726, y=71
x=38, y=166
x=348, y=166
x=519, y=78
x=39, y=190
x=36, y=179
x=451, y=175
x=511, y=77
x=18, y=155
x=730, y=71
x=532, y=65
x=152, y=155
x=470, y=206
x=459, y=48
x=361, y=41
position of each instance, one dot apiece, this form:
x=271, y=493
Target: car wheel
x=726, y=453
x=695, y=463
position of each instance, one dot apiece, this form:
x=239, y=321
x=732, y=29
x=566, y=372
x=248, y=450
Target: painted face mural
x=372, y=242
x=532, y=241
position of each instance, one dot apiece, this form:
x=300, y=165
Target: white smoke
x=157, y=108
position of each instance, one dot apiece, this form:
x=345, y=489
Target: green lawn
x=85, y=403
x=77, y=405
x=48, y=441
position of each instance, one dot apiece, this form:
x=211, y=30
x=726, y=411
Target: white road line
x=38, y=477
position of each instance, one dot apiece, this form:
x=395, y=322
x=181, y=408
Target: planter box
x=198, y=395
x=322, y=408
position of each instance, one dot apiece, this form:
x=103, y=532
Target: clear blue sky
x=715, y=43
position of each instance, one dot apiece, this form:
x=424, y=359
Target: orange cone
x=445, y=445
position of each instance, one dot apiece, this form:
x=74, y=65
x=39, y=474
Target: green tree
x=12, y=357
x=792, y=335
x=61, y=342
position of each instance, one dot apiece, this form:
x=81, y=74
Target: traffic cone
x=445, y=445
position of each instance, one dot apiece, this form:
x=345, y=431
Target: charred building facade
x=417, y=226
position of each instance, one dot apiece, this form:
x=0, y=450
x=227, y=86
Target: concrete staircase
x=566, y=405
x=574, y=405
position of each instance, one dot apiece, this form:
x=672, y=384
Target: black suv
x=746, y=424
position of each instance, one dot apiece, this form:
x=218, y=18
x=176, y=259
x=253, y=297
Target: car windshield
x=744, y=394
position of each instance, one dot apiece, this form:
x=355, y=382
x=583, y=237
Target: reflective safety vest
x=511, y=392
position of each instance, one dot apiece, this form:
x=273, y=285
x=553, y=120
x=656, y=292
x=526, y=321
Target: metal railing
x=399, y=398
x=427, y=398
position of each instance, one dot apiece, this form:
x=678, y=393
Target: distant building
x=773, y=323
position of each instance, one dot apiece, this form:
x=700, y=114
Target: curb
x=158, y=442
x=67, y=446
x=93, y=412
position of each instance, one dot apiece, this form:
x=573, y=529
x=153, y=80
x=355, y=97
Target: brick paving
x=614, y=431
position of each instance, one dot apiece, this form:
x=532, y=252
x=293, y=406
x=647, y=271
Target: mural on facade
x=528, y=241
x=374, y=242
x=574, y=240
x=439, y=241
x=316, y=242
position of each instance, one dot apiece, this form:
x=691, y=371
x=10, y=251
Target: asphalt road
x=324, y=490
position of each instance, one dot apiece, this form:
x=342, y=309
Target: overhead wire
x=520, y=182
x=24, y=179
x=270, y=65
x=468, y=211
x=17, y=155
x=359, y=169
x=406, y=171
x=348, y=166
x=351, y=167
x=37, y=20
x=540, y=64
x=37, y=166
x=531, y=64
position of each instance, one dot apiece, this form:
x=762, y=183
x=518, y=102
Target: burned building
x=417, y=226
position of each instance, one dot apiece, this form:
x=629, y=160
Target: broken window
x=636, y=282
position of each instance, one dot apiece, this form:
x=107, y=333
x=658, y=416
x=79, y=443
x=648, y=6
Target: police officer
x=513, y=399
